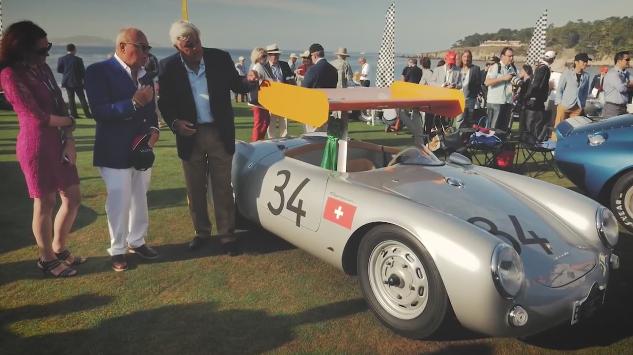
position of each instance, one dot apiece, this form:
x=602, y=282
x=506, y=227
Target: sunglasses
x=140, y=46
x=44, y=51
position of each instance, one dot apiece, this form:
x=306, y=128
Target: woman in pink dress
x=45, y=145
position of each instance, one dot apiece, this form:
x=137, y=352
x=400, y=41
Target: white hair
x=182, y=28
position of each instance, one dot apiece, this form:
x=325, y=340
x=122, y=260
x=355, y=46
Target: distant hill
x=600, y=38
x=92, y=41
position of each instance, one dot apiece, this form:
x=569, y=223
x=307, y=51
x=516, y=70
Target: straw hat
x=293, y=55
x=305, y=54
x=240, y=58
x=342, y=51
x=273, y=49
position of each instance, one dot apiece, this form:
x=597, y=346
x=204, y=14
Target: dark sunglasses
x=140, y=46
x=44, y=51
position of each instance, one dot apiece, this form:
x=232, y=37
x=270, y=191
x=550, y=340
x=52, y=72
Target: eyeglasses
x=140, y=46
x=44, y=51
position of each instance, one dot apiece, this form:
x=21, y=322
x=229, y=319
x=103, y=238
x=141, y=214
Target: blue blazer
x=321, y=75
x=110, y=89
x=72, y=68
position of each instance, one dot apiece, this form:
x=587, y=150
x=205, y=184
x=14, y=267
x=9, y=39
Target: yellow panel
x=303, y=105
x=185, y=10
x=404, y=90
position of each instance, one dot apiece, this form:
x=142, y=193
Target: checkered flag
x=538, y=41
x=386, y=57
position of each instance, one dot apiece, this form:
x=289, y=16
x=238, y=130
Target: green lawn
x=273, y=298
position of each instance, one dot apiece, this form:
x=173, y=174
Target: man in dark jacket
x=73, y=70
x=321, y=74
x=533, y=121
x=195, y=101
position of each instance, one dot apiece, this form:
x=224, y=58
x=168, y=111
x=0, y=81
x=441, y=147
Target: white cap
x=549, y=55
x=240, y=58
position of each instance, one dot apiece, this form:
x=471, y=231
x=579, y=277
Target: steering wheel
x=398, y=157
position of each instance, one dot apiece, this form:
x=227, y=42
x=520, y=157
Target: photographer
x=499, y=97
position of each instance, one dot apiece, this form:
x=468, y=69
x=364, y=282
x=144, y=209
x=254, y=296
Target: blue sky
x=422, y=25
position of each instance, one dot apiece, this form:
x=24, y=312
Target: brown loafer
x=119, y=263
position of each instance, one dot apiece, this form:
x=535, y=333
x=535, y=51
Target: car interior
x=361, y=156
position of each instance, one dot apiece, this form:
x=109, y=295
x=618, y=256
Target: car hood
x=582, y=125
x=552, y=253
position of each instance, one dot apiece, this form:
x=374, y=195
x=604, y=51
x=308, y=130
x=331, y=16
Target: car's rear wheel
x=401, y=283
x=622, y=200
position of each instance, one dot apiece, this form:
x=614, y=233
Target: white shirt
x=364, y=71
x=200, y=91
x=141, y=72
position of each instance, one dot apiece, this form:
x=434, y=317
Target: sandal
x=47, y=268
x=69, y=259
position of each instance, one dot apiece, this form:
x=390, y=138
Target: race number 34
x=290, y=205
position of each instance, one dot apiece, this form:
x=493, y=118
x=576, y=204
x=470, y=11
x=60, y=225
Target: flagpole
x=184, y=11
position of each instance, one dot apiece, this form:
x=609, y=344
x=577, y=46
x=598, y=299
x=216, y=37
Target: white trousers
x=126, y=207
x=278, y=127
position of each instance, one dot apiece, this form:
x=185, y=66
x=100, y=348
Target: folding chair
x=533, y=158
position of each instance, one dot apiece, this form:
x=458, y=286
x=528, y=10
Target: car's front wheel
x=401, y=283
x=622, y=200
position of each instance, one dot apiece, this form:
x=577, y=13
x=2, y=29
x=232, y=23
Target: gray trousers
x=414, y=120
x=610, y=109
x=498, y=116
x=210, y=164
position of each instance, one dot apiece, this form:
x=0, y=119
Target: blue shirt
x=570, y=92
x=615, y=86
x=200, y=91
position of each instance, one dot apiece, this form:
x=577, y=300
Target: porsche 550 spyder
x=597, y=157
x=508, y=254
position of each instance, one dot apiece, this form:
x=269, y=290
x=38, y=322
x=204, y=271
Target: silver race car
x=508, y=254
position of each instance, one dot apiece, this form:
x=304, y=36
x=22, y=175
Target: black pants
x=82, y=98
x=364, y=83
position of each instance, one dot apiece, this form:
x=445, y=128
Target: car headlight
x=507, y=270
x=607, y=227
x=596, y=139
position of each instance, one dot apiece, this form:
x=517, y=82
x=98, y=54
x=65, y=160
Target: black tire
x=621, y=200
x=389, y=300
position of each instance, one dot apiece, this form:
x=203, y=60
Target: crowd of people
x=195, y=102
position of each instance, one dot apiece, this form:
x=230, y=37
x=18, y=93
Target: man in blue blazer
x=195, y=101
x=321, y=74
x=72, y=69
x=123, y=108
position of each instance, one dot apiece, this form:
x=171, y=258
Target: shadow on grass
x=466, y=349
x=611, y=323
x=254, y=242
x=198, y=328
x=166, y=198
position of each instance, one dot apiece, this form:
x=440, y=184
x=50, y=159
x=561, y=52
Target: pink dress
x=35, y=95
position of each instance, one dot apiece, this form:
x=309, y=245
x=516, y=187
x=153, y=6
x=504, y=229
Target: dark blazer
x=176, y=99
x=474, y=82
x=73, y=70
x=110, y=89
x=321, y=75
x=538, y=91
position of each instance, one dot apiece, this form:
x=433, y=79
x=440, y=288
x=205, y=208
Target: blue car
x=598, y=158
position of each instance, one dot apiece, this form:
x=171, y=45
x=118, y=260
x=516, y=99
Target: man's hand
x=507, y=77
x=184, y=128
x=144, y=95
x=153, y=138
x=69, y=153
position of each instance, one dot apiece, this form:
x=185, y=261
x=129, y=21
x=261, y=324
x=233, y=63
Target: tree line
x=599, y=38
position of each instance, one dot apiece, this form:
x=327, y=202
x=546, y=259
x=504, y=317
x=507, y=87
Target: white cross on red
x=339, y=212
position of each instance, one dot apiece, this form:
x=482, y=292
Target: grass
x=273, y=298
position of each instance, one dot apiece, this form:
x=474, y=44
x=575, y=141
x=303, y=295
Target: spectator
x=533, y=122
x=597, y=84
x=73, y=72
x=261, y=116
x=302, y=69
x=500, y=91
x=427, y=72
x=447, y=75
x=45, y=145
x=241, y=71
x=123, y=109
x=292, y=62
x=151, y=70
x=364, y=71
x=204, y=127
x=573, y=89
x=471, y=87
x=617, y=84
x=278, y=127
x=320, y=75
x=412, y=73
x=343, y=68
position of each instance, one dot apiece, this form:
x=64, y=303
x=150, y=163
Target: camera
x=516, y=81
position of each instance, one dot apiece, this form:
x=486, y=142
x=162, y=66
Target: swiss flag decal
x=339, y=212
